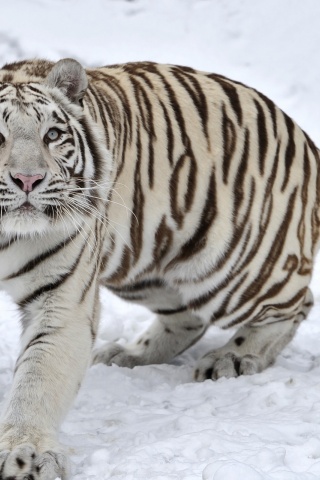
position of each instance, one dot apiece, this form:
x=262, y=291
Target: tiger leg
x=56, y=348
x=253, y=348
x=168, y=336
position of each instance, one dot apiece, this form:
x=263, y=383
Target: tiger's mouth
x=26, y=207
x=25, y=210
x=24, y=220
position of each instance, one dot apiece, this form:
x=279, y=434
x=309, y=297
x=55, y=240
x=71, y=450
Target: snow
x=154, y=423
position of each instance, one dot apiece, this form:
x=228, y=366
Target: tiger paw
x=25, y=463
x=116, y=354
x=216, y=364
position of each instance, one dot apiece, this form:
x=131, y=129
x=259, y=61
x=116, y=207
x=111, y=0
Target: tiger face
x=48, y=173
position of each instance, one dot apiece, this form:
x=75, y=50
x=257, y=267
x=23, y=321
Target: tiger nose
x=27, y=182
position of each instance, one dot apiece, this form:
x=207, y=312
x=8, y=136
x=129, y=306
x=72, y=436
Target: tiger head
x=52, y=158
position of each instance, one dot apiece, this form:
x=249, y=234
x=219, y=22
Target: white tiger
x=223, y=194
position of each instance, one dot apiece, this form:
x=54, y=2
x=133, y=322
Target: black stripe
x=89, y=102
x=102, y=113
x=67, y=140
x=4, y=86
x=262, y=136
x=238, y=231
x=7, y=244
x=82, y=148
x=146, y=115
x=136, y=287
x=170, y=311
x=247, y=314
x=174, y=104
x=67, y=155
x=229, y=142
x=35, y=342
x=41, y=101
x=198, y=240
x=40, y=258
x=28, y=359
x=239, y=182
x=169, y=133
x=272, y=110
x=93, y=148
x=53, y=285
x=231, y=92
x=197, y=96
x=56, y=117
x=121, y=95
x=143, y=75
x=35, y=90
x=89, y=283
x=97, y=263
x=272, y=256
x=37, y=113
x=290, y=151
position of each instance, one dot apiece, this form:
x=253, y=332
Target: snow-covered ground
x=154, y=423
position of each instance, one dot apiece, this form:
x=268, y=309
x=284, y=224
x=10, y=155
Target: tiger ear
x=70, y=77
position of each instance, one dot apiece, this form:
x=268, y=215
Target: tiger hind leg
x=253, y=348
x=168, y=336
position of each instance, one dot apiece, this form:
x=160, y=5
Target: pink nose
x=27, y=181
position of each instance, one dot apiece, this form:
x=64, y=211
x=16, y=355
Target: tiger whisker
x=102, y=219
x=65, y=224
x=75, y=190
x=66, y=210
x=69, y=210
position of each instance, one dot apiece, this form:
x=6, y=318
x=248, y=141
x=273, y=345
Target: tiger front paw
x=24, y=462
x=114, y=353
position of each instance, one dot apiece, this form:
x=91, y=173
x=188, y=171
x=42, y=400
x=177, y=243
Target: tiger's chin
x=25, y=222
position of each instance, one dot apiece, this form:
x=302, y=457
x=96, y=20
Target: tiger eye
x=52, y=134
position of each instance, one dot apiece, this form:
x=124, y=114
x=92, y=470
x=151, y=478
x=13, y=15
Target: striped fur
x=187, y=192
